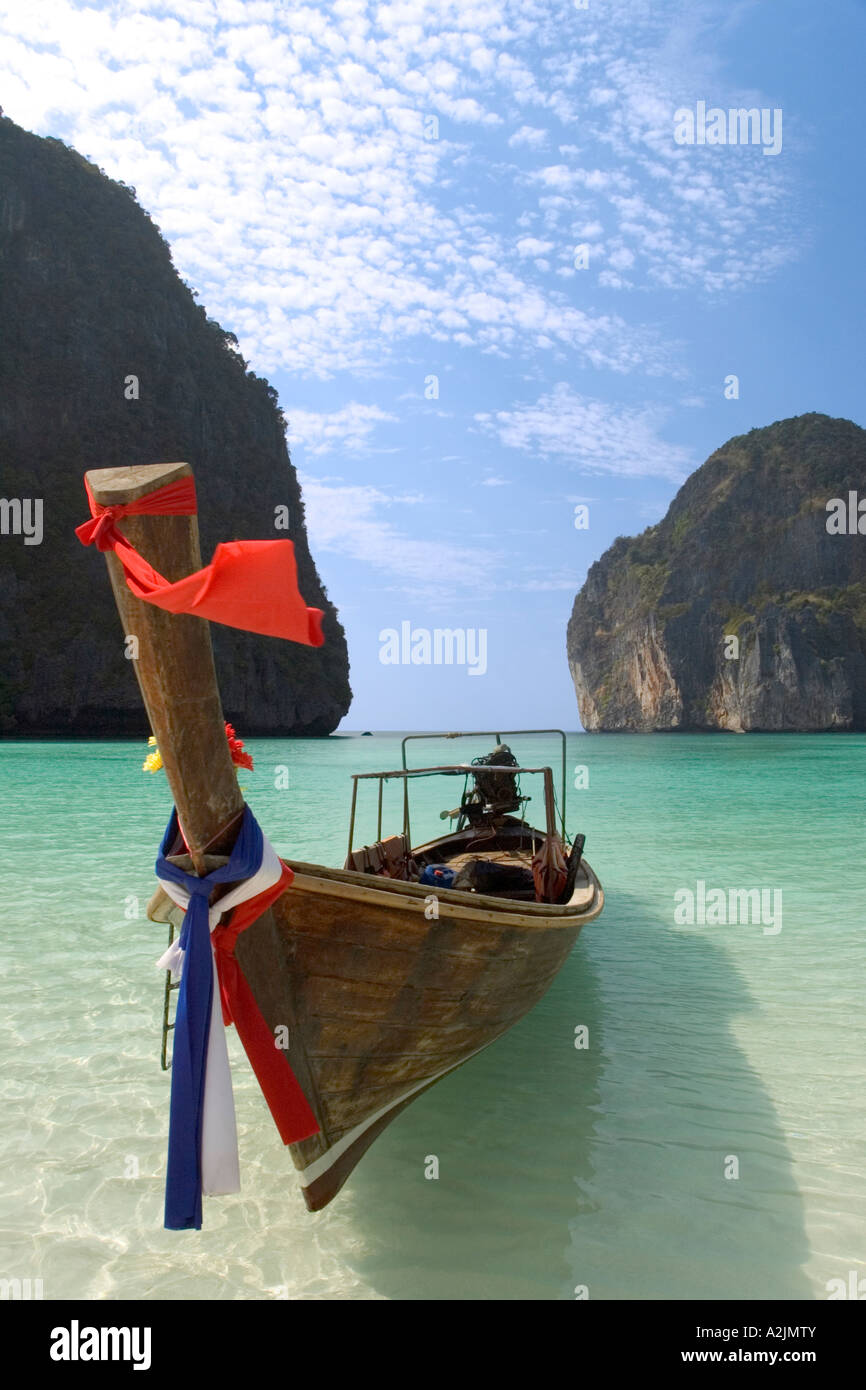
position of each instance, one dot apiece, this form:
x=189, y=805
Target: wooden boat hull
x=376, y=987
x=381, y=997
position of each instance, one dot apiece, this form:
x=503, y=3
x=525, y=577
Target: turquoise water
x=712, y=1048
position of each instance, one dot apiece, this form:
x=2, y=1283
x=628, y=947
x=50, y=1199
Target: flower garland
x=153, y=762
x=236, y=748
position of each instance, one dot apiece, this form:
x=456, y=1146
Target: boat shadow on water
x=468, y=1194
x=601, y=1172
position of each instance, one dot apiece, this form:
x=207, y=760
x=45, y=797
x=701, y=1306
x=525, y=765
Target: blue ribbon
x=192, y=1021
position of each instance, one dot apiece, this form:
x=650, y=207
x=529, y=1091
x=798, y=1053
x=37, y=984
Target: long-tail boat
x=385, y=975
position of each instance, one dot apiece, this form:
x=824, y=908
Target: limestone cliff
x=744, y=553
x=89, y=298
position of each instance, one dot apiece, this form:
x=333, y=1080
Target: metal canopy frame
x=455, y=770
x=494, y=733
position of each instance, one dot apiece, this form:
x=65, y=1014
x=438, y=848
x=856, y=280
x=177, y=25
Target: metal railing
x=509, y=733
x=449, y=770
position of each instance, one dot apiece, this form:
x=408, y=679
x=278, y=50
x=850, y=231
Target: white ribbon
x=220, y=1164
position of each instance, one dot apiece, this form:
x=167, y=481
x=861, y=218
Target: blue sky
x=373, y=195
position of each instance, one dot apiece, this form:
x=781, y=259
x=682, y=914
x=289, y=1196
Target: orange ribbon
x=252, y=585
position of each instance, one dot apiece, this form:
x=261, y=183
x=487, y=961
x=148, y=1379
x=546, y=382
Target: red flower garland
x=236, y=748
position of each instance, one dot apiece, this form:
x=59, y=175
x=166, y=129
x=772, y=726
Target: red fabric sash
x=249, y=584
x=287, y=1103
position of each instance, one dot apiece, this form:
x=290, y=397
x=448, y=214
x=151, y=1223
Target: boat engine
x=495, y=794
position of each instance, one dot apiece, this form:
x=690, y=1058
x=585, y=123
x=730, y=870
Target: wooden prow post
x=174, y=663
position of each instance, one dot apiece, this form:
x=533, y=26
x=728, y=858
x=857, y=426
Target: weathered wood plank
x=174, y=666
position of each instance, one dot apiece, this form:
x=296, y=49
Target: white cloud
x=361, y=522
x=347, y=430
x=531, y=136
x=532, y=246
x=286, y=152
x=591, y=435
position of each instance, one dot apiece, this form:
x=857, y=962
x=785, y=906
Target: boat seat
x=388, y=858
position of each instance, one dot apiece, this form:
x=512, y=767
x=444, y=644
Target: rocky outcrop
x=89, y=299
x=740, y=610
